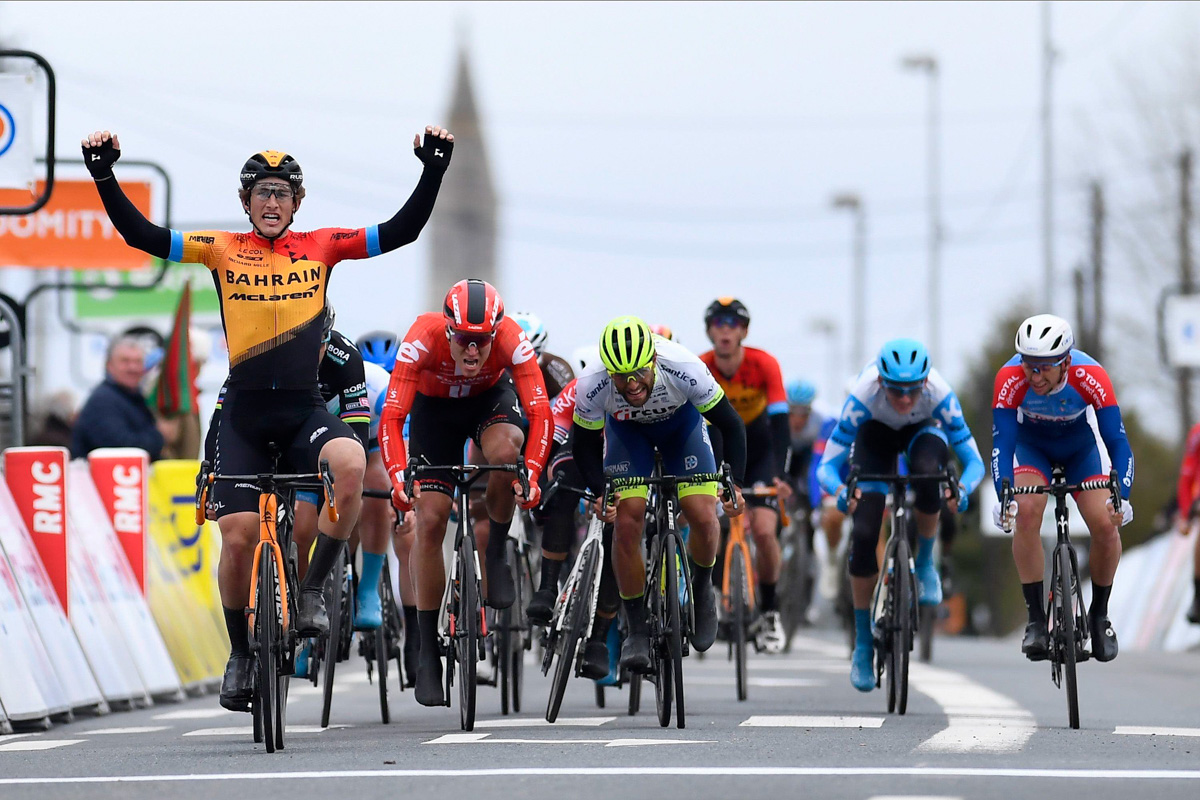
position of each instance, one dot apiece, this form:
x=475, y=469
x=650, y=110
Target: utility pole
x=1082, y=324
x=1185, y=279
x=929, y=65
x=1098, y=217
x=858, y=313
x=1047, y=163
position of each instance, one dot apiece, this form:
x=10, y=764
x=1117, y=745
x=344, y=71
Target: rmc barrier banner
x=67, y=658
x=72, y=231
x=95, y=535
x=121, y=477
x=37, y=478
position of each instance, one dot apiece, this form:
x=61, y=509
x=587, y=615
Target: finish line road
x=982, y=722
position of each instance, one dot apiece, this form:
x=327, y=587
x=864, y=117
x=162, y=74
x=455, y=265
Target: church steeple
x=464, y=220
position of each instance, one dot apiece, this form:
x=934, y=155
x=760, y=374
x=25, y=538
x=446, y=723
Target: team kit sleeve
x=1007, y=393
x=1093, y=383
x=402, y=389
x=198, y=247
x=590, y=392
x=135, y=229
x=353, y=402
x=949, y=414
x=531, y=389
x=837, y=448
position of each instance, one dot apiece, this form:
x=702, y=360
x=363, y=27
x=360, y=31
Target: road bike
x=512, y=631
x=1066, y=614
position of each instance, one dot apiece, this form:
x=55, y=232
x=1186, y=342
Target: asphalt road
x=982, y=723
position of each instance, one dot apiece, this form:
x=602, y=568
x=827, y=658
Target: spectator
x=57, y=422
x=116, y=413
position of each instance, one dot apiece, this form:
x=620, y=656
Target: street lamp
x=928, y=64
x=853, y=203
x=828, y=330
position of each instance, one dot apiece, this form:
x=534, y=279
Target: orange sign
x=72, y=231
x=37, y=477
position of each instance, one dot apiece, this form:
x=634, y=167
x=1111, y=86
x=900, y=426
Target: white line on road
x=539, y=722
x=913, y=797
x=37, y=744
x=980, y=720
x=195, y=713
x=485, y=738
x=1138, y=730
x=792, y=721
x=775, y=683
x=650, y=772
x=136, y=729
x=246, y=730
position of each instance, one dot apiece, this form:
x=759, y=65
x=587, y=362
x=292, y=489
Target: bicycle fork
x=268, y=506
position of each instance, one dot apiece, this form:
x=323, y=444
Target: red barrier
x=120, y=475
x=37, y=477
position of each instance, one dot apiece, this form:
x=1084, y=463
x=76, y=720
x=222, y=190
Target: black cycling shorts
x=441, y=426
x=251, y=420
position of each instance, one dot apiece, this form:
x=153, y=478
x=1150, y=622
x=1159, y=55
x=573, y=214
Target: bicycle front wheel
x=660, y=660
x=570, y=639
x=1066, y=633
x=674, y=628
x=466, y=634
x=906, y=618
x=738, y=613
x=266, y=629
x=384, y=640
x=335, y=599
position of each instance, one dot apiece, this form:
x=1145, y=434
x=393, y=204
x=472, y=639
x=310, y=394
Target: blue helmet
x=903, y=361
x=379, y=347
x=801, y=393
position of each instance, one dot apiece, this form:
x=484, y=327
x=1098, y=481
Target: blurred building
x=464, y=219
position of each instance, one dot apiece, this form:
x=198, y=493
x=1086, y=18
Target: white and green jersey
x=680, y=378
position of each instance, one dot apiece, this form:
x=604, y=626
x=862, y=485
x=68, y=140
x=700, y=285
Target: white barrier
x=89, y=522
x=66, y=656
x=37, y=477
x=1151, y=594
x=29, y=689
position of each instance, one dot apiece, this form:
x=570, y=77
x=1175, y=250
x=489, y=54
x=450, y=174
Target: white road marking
x=651, y=772
x=486, y=739
x=37, y=744
x=246, y=730
x=8, y=737
x=195, y=713
x=914, y=797
x=539, y=722
x=797, y=683
x=772, y=665
x=308, y=690
x=136, y=729
x=980, y=720
x=793, y=721
x=1139, y=730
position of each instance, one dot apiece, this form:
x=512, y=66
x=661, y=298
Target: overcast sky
x=648, y=157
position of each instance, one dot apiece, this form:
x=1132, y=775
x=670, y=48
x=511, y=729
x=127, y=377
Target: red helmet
x=473, y=306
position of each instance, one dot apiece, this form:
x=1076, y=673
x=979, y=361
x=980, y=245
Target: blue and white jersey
x=936, y=405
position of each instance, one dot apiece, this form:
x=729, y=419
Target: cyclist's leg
x=763, y=512
x=500, y=436
x=1106, y=543
x=1033, y=469
x=928, y=451
x=304, y=528
x=374, y=528
x=558, y=531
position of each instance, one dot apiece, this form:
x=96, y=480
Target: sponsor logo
x=202, y=239
x=643, y=414
x=523, y=351
x=273, y=298
x=127, y=499
x=358, y=387
x=952, y=411
x=601, y=386
x=853, y=415
x=47, y=497
x=266, y=281
x=337, y=352
x=317, y=433
x=1008, y=389
x=679, y=374
x=1093, y=386
x=438, y=153
x=690, y=462
x=620, y=468
x=410, y=352
x=343, y=235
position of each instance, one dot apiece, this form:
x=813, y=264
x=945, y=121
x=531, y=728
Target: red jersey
x=1189, y=471
x=755, y=387
x=424, y=364
x=562, y=409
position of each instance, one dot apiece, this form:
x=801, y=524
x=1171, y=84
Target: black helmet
x=271, y=164
x=726, y=307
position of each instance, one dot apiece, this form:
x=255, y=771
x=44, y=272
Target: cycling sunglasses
x=1037, y=365
x=465, y=340
x=904, y=389
x=623, y=378
x=726, y=321
x=264, y=191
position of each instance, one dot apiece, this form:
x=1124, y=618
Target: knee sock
x=324, y=556
x=700, y=575
x=635, y=611
x=924, y=551
x=372, y=567
x=600, y=629
x=427, y=621
x=411, y=634
x=1034, y=594
x=239, y=631
x=766, y=596
x=551, y=569
x=1099, y=601
x=497, y=540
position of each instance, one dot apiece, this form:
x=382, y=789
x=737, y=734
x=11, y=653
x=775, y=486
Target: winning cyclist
x=271, y=283
x=650, y=394
x=450, y=373
x=899, y=406
x=1039, y=418
x=1188, y=491
x=752, y=381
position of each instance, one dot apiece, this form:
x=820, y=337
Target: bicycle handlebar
x=946, y=476
x=268, y=482
x=1061, y=488
x=465, y=474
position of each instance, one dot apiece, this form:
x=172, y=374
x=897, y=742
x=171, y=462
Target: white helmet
x=534, y=328
x=1045, y=336
x=584, y=357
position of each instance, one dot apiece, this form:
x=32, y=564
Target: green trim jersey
x=680, y=378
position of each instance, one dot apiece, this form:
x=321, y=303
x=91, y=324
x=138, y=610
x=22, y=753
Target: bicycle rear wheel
x=521, y=630
x=1066, y=633
x=266, y=628
x=466, y=634
x=906, y=616
x=795, y=581
x=738, y=613
x=335, y=599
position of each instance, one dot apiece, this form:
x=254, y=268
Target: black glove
x=435, y=152
x=99, y=160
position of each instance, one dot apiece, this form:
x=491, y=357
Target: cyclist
x=752, y=381
x=379, y=347
x=810, y=431
x=646, y=394
x=271, y=283
x=899, y=406
x=1189, y=476
x=450, y=373
x=1039, y=417
x=556, y=371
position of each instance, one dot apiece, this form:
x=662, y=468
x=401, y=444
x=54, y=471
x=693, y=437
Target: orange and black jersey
x=272, y=292
x=755, y=389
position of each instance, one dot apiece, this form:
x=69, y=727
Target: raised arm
x=100, y=151
x=404, y=227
